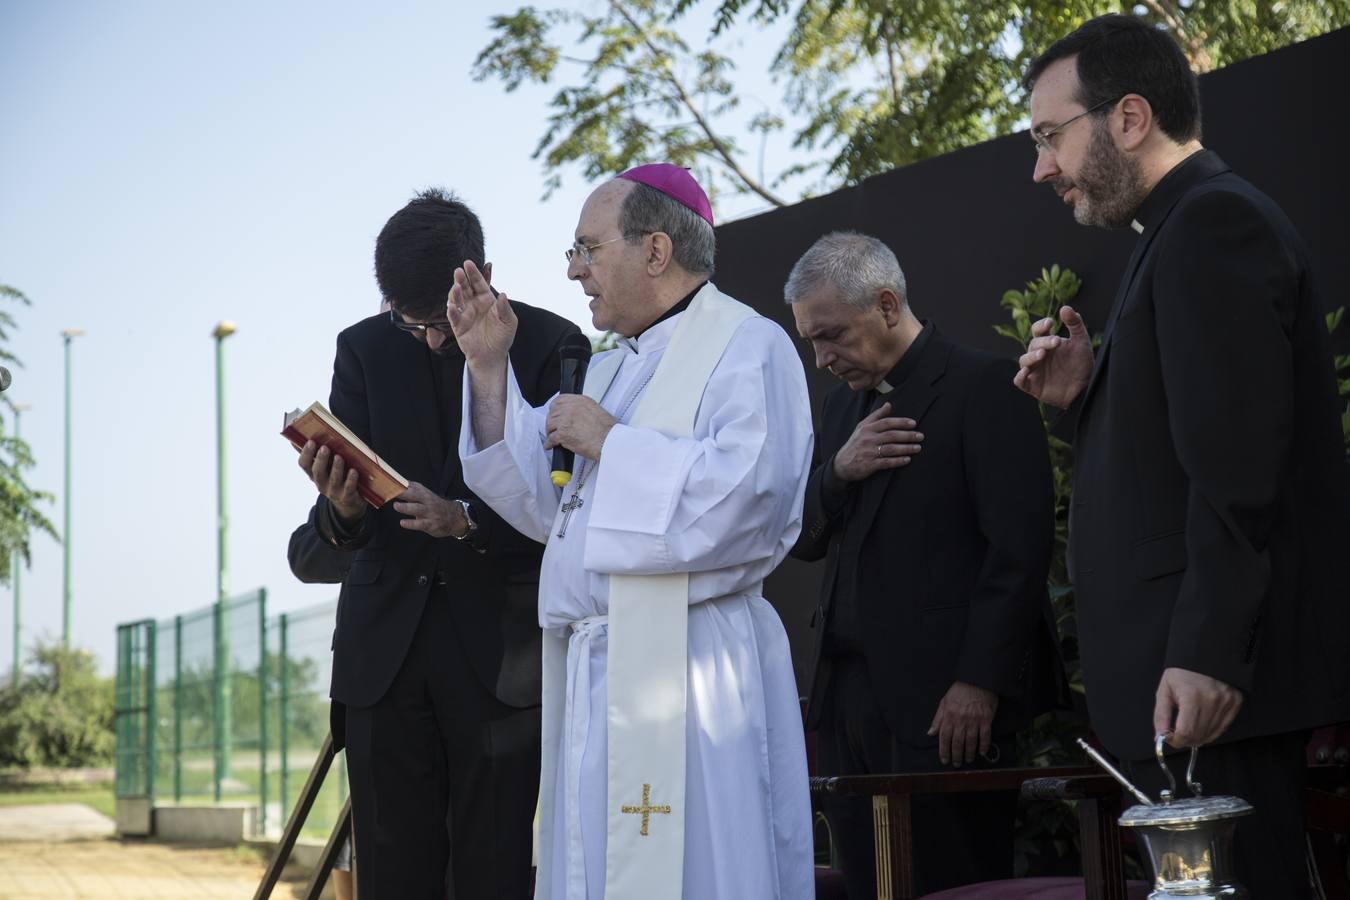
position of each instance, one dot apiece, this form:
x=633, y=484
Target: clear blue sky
x=165, y=166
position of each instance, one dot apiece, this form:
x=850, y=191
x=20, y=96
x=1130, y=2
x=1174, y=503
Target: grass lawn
x=97, y=796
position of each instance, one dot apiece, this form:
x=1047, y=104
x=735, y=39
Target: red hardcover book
x=378, y=483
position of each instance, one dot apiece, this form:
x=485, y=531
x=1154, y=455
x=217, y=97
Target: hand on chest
x=897, y=444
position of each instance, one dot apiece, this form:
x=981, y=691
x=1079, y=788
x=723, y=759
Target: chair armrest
x=893, y=826
x=946, y=782
x=1071, y=787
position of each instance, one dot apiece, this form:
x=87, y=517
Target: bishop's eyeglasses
x=584, y=250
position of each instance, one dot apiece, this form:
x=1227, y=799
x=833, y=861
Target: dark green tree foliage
x=20, y=505
x=876, y=83
x=60, y=714
x=643, y=93
x=889, y=82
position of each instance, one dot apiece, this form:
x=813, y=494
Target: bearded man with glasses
x=1207, y=557
x=437, y=647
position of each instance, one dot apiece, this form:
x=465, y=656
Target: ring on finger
x=878, y=451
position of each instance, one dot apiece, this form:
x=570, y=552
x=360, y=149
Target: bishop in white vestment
x=693, y=443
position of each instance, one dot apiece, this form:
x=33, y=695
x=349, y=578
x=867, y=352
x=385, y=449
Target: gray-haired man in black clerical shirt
x=932, y=505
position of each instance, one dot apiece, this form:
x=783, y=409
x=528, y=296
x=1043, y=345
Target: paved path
x=110, y=869
x=53, y=822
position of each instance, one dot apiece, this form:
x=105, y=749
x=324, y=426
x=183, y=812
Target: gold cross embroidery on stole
x=646, y=809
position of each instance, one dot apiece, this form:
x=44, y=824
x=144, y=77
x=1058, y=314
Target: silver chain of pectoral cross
x=587, y=466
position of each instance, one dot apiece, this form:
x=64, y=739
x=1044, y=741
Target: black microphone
x=574, y=356
x=4, y=379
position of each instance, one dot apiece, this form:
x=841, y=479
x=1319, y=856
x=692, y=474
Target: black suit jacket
x=313, y=560
x=383, y=390
x=952, y=551
x=1211, y=506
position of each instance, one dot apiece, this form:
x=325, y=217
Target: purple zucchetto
x=676, y=183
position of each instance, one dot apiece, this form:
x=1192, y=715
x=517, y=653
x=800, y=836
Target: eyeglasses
x=1042, y=136
x=419, y=329
x=584, y=250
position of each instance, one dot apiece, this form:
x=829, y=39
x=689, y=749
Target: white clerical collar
x=1137, y=226
x=884, y=387
x=654, y=338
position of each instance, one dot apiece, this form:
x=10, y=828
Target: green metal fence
x=134, y=710
x=226, y=705
x=299, y=645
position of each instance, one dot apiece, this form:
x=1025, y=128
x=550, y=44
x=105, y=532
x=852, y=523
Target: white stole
x=648, y=632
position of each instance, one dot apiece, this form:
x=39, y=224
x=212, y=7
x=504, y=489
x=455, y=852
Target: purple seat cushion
x=1030, y=889
x=830, y=884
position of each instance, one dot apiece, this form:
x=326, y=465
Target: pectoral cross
x=646, y=809
x=568, y=508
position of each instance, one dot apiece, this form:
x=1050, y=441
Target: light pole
x=223, y=717
x=17, y=565
x=223, y=330
x=68, y=336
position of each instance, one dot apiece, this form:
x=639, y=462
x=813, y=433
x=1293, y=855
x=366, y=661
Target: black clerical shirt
x=844, y=630
x=675, y=310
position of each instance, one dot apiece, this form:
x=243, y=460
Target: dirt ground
x=110, y=868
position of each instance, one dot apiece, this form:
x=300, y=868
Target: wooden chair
x=1328, y=810
x=1098, y=798
x=1099, y=804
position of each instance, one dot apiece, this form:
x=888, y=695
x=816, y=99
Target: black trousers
x=1270, y=844
x=444, y=778
x=958, y=838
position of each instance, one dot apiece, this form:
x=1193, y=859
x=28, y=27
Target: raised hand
x=1055, y=369
x=484, y=324
x=879, y=442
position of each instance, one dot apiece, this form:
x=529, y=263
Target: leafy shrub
x=1342, y=362
x=59, y=714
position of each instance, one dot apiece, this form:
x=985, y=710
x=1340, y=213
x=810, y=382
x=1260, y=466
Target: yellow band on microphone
x=560, y=478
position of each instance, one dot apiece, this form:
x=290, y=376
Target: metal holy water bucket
x=1189, y=841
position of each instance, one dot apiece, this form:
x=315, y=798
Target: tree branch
x=892, y=66
x=704, y=125
x=1172, y=18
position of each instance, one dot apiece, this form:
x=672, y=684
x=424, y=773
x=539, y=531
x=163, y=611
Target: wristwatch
x=468, y=517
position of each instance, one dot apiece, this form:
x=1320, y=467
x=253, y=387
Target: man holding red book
x=436, y=652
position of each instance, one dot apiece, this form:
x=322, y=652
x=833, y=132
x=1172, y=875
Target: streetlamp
x=68, y=335
x=222, y=331
x=17, y=565
x=223, y=717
